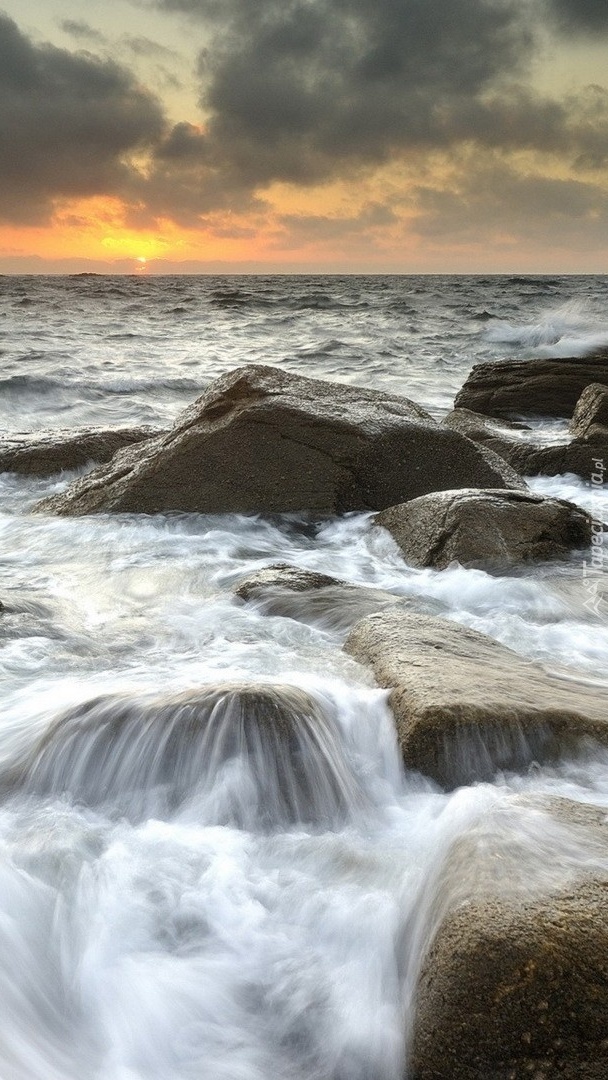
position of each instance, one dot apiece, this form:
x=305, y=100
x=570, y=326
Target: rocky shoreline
x=514, y=980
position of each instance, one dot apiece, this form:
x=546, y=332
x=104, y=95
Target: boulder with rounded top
x=261, y=440
x=514, y=982
x=486, y=529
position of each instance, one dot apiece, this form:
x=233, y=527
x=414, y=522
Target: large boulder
x=263, y=440
x=486, y=529
x=465, y=705
x=515, y=982
x=530, y=458
x=318, y=599
x=590, y=417
x=43, y=453
x=540, y=387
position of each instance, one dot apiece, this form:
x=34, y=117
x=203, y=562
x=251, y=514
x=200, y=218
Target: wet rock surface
x=263, y=441
x=539, y=387
x=288, y=577
x=579, y=455
x=320, y=600
x=465, y=705
x=590, y=417
x=43, y=453
x=486, y=529
x=515, y=982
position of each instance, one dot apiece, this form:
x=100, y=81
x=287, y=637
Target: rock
x=590, y=416
x=540, y=387
x=320, y=600
x=578, y=456
x=465, y=705
x=287, y=577
x=484, y=528
x=256, y=753
x=43, y=453
x=263, y=440
x=515, y=982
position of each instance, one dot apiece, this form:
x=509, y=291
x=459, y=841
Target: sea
x=165, y=914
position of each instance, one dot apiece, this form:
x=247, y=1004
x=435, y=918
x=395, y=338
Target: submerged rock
x=253, y=753
x=531, y=458
x=467, y=706
x=487, y=529
x=262, y=440
x=318, y=599
x=288, y=577
x=515, y=982
x=539, y=387
x=590, y=417
x=28, y=617
x=43, y=453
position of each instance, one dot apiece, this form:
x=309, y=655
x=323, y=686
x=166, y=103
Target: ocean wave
x=127, y=384
x=565, y=332
x=37, y=384
x=42, y=385
x=535, y=282
x=577, y=346
x=230, y=298
x=322, y=301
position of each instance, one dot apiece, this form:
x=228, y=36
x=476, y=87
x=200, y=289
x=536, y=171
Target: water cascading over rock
x=254, y=755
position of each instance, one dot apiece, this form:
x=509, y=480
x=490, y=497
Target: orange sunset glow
x=470, y=136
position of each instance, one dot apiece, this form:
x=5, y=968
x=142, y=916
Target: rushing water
x=213, y=863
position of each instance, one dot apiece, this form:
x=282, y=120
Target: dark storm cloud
x=489, y=199
x=303, y=90
x=188, y=181
x=299, y=91
x=586, y=16
x=318, y=227
x=343, y=236
x=66, y=122
x=292, y=88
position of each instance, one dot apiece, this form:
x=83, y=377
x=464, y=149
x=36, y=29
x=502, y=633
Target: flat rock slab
x=261, y=440
x=540, y=387
x=515, y=982
x=579, y=455
x=43, y=453
x=486, y=529
x=467, y=706
x=319, y=599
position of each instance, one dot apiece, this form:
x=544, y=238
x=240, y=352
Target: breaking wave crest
x=566, y=331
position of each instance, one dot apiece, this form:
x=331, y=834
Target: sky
x=329, y=136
